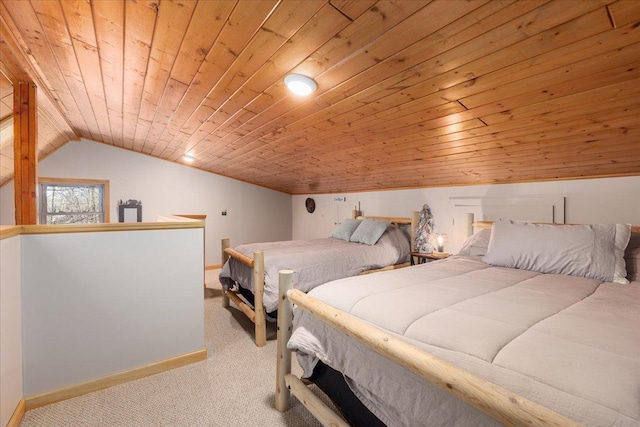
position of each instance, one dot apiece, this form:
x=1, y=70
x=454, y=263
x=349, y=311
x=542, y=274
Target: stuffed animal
x=425, y=231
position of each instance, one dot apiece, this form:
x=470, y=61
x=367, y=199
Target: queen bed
x=249, y=274
x=528, y=325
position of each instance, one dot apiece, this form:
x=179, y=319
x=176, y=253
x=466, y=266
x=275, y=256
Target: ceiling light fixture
x=300, y=85
x=188, y=158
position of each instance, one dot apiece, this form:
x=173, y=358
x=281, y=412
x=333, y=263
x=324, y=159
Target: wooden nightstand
x=422, y=258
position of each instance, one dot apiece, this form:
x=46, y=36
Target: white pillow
x=593, y=251
x=369, y=231
x=345, y=229
x=476, y=244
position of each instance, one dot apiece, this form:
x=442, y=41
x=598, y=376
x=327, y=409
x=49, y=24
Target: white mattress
x=567, y=343
x=315, y=262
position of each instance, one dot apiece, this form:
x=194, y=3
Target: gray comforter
x=315, y=262
x=568, y=343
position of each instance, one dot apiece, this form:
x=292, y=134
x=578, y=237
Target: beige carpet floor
x=233, y=387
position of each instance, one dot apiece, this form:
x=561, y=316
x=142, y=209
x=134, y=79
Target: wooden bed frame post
x=286, y=383
x=285, y=326
x=255, y=314
x=258, y=295
x=225, y=257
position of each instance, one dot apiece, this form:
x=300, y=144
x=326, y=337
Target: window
x=73, y=201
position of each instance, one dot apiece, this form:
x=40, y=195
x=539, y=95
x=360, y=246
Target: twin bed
x=527, y=325
x=359, y=245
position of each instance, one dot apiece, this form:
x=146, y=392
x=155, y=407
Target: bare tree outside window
x=72, y=203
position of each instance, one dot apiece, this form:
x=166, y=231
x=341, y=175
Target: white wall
x=254, y=213
x=606, y=200
x=10, y=328
x=100, y=303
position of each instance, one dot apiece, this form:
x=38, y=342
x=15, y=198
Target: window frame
x=72, y=182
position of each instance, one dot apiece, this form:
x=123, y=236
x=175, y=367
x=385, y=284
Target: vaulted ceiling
x=410, y=93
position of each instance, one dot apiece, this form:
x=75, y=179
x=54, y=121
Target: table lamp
x=441, y=239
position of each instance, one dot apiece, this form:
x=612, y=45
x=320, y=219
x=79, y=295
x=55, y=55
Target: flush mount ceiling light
x=188, y=158
x=300, y=85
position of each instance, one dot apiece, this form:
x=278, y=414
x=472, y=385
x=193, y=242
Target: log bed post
x=225, y=257
x=258, y=295
x=287, y=383
x=285, y=325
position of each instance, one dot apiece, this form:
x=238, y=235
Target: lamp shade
x=300, y=85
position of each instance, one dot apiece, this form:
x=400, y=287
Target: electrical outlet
x=224, y=212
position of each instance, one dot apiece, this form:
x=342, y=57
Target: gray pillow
x=578, y=250
x=346, y=229
x=369, y=231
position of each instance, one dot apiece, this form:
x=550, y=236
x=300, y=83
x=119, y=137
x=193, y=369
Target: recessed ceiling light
x=188, y=158
x=300, y=85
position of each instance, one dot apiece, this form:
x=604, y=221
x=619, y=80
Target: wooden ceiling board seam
x=488, y=112
x=280, y=86
x=567, y=53
x=47, y=22
x=594, y=100
x=588, y=67
x=139, y=24
x=246, y=65
x=503, y=131
x=199, y=38
x=6, y=87
x=81, y=28
x=610, y=138
x=449, y=98
x=493, y=136
x=280, y=96
x=30, y=71
x=559, y=168
x=393, y=26
x=475, y=84
x=174, y=92
x=514, y=147
x=330, y=21
x=89, y=63
x=174, y=21
x=169, y=32
x=621, y=73
x=445, y=129
x=204, y=108
x=353, y=9
x=404, y=171
x=312, y=131
x=49, y=138
x=624, y=12
x=225, y=50
x=361, y=33
x=109, y=21
x=506, y=139
x=191, y=54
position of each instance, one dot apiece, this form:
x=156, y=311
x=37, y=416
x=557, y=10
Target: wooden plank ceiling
x=53, y=130
x=410, y=93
